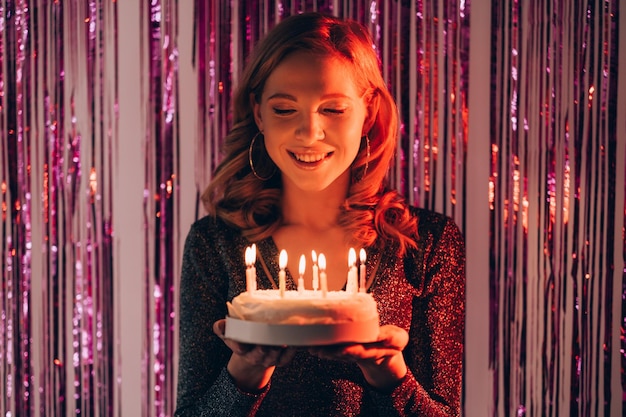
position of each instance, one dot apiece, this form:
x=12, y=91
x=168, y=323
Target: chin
x=318, y=183
x=313, y=186
x=320, y=187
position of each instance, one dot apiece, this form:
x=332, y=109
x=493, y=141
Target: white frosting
x=306, y=307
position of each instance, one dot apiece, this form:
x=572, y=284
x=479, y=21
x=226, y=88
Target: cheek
x=358, y=138
x=272, y=143
x=354, y=149
x=356, y=132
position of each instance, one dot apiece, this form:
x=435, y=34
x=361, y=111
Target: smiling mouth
x=310, y=158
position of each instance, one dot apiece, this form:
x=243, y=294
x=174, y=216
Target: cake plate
x=301, y=335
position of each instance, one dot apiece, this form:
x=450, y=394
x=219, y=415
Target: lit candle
x=323, y=281
x=252, y=267
x=362, y=276
x=248, y=269
x=352, y=284
x=282, y=263
x=301, y=268
x=316, y=277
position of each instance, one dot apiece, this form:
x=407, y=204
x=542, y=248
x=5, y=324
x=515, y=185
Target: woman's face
x=312, y=116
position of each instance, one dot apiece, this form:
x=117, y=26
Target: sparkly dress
x=423, y=293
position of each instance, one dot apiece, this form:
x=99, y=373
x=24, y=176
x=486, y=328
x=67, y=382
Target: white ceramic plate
x=300, y=335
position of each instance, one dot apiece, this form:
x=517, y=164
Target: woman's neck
x=317, y=210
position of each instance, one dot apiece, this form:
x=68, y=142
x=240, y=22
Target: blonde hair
x=371, y=211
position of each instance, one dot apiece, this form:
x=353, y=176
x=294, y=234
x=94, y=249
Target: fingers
x=286, y=356
x=270, y=355
x=393, y=337
x=259, y=355
x=353, y=353
x=391, y=341
x=219, y=328
x=336, y=352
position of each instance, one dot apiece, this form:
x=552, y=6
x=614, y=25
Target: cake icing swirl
x=303, y=307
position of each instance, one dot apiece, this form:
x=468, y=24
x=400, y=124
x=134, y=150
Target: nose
x=310, y=128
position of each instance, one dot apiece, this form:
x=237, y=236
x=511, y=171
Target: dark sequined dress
x=423, y=292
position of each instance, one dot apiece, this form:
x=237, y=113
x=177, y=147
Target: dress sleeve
x=432, y=387
x=204, y=386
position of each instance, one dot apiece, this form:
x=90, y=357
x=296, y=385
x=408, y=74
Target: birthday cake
x=300, y=318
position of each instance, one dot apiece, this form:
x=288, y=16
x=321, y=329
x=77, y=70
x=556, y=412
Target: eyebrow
x=293, y=98
x=282, y=95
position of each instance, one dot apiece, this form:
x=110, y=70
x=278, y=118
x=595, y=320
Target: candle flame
x=302, y=264
x=253, y=254
x=351, y=257
x=247, y=255
x=322, y=262
x=282, y=260
x=314, y=256
x=362, y=255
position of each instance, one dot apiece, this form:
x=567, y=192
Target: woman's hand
x=252, y=366
x=381, y=361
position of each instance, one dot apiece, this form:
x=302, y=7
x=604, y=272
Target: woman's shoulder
x=440, y=246
x=431, y=221
x=212, y=228
x=433, y=227
x=211, y=222
x=428, y=215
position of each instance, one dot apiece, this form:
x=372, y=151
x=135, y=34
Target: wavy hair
x=370, y=211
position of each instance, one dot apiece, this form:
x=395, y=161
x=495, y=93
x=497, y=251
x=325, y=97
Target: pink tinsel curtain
x=112, y=115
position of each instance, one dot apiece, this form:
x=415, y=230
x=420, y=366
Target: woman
x=314, y=131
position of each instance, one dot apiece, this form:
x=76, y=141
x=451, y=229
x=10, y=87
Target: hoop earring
x=367, y=158
x=256, y=174
x=367, y=154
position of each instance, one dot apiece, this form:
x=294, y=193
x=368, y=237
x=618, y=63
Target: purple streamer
x=159, y=209
x=552, y=191
x=552, y=221
x=54, y=311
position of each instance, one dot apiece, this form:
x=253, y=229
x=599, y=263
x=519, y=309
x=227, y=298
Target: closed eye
x=335, y=111
x=283, y=112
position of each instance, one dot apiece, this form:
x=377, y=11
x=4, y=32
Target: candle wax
x=351, y=283
x=252, y=267
x=282, y=263
x=362, y=274
x=323, y=279
x=247, y=257
x=316, y=276
x=362, y=278
x=301, y=268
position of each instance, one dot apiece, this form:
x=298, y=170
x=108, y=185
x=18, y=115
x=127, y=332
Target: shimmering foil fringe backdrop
x=57, y=121
x=554, y=140
x=554, y=195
